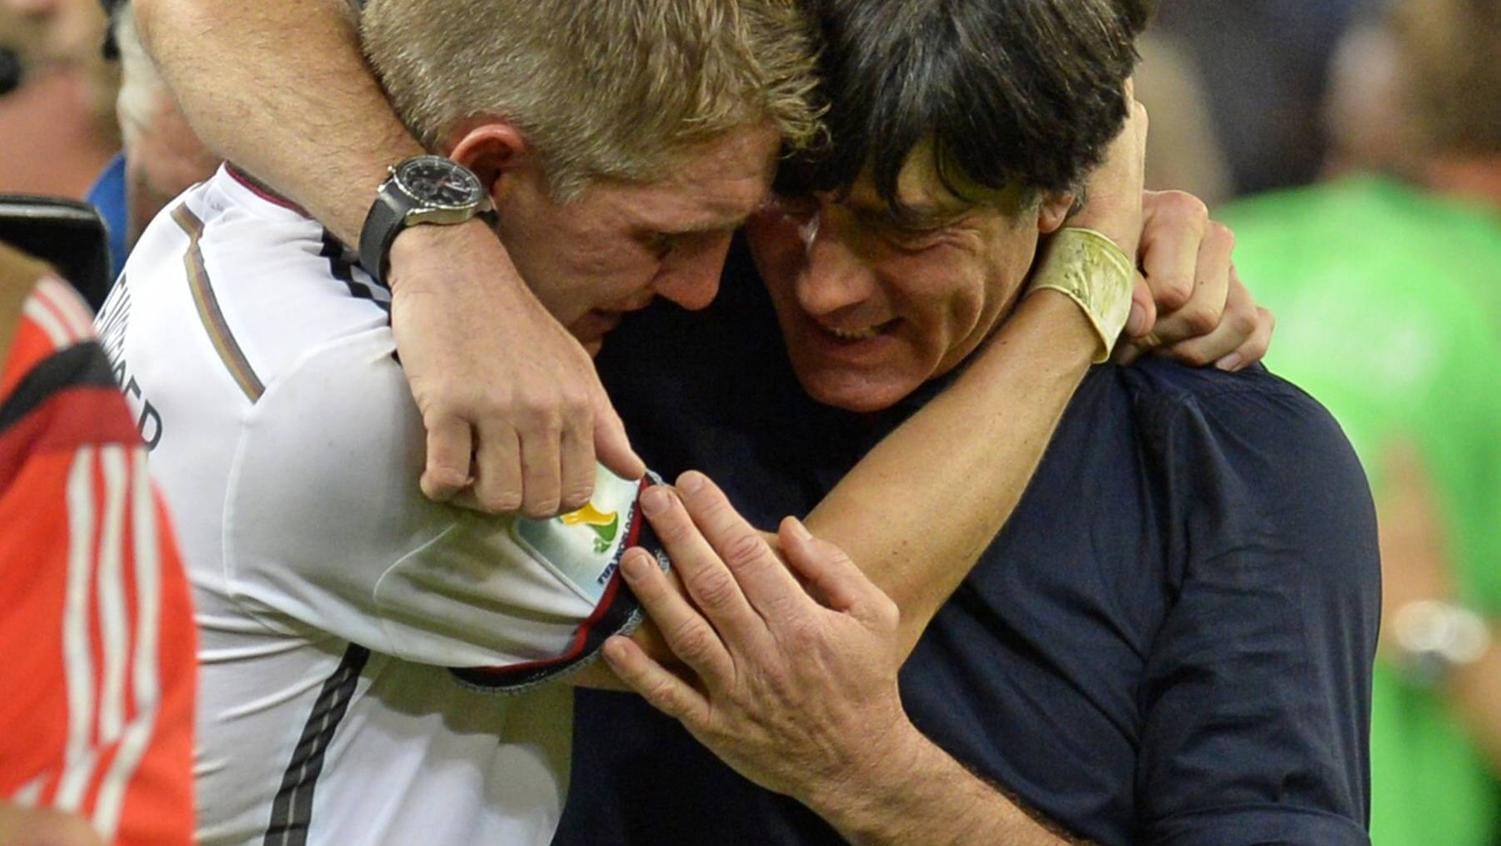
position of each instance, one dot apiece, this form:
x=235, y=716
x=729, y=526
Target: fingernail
x=1229, y=362
x=799, y=530
x=691, y=481
x=654, y=501
x=1136, y=324
x=634, y=565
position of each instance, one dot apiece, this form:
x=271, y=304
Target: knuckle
x=1190, y=206
x=1221, y=234
x=714, y=588
x=1242, y=323
x=887, y=614
x=576, y=403
x=537, y=411
x=743, y=549
x=1192, y=355
x=663, y=696
x=802, y=632
x=691, y=642
x=500, y=501
x=1174, y=291
x=541, y=507
x=1200, y=320
x=575, y=498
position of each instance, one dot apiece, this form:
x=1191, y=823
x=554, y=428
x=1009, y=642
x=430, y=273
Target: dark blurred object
x=67, y=234
x=111, y=45
x=1265, y=65
x=11, y=72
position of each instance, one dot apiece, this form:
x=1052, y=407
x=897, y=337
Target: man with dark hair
x=1169, y=643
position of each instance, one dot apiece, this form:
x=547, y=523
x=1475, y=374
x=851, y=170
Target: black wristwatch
x=421, y=189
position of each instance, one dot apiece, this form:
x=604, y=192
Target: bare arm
x=1415, y=567
x=496, y=378
x=920, y=508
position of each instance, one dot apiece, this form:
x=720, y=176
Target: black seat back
x=67, y=234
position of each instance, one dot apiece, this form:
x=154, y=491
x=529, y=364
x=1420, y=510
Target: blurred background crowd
x=1354, y=146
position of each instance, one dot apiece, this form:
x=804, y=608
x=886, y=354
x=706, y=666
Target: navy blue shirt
x=1169, y=643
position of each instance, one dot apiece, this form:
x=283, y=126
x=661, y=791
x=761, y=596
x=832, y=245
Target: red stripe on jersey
x=99, y=672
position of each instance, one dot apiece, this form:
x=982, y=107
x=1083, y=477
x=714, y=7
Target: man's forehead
x=925, y=196
x=717, y=184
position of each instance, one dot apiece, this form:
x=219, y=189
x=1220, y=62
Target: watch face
x=436, y=181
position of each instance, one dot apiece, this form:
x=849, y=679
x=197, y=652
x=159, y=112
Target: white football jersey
x=331, y=597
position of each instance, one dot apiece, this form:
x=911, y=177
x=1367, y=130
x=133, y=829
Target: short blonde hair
x=602, y=88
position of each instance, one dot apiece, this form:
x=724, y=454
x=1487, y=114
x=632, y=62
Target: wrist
x=1089, y=269
x=868, y=801
x=472, y=242
x=1435, y=639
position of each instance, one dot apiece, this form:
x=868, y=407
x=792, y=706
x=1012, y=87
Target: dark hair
x=1026, y=92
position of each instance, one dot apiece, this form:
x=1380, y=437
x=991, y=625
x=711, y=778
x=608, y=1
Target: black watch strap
x=382, y=224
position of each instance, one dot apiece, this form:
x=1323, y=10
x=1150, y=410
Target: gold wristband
x=1091, y=270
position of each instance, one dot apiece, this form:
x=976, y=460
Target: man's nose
x=690, y=275
x=835, y=276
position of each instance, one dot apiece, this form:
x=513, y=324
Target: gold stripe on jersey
x=208, y=307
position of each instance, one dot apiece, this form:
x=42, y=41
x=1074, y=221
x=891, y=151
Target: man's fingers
x=687, y=633
x=1202, y=314
x=659, y=687
x=497, y=471
x=448, y=454
x=577, y=464
x=708, y=581
x=1143, y=309
x=541, y=478
x=1236, y=326
x=1173, y=230
x=825, y=567
x=610, y=442
x=1255, y=347
x=762, y=577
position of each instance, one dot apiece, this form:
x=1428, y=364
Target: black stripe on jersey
x=292, y=811
x=342, y=266
x=81, y=365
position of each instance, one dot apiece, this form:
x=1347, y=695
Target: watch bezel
x=400, y=174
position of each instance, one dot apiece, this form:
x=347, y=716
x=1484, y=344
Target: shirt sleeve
x=99, y=666
x=325, y=527
x=1256, y=697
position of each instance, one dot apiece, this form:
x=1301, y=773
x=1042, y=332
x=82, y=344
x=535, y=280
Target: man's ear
x=1053, y=211
x=492, y=149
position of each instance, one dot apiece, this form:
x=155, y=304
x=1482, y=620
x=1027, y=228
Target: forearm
x=920, y=796
x=916, y=513
x=1475, y=691
x=312, y=122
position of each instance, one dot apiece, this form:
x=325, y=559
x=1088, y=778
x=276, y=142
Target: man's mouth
x=854, y=334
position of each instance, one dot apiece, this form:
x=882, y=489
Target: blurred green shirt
x=1389, y=312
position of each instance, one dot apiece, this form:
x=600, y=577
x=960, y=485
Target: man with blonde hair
x=619, y=144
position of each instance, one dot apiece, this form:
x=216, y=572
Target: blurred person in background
x=161, y=155
x=58, y=125
x=1183, y=148
x=1265, y=66
x=96, y=725
x=1387, y=286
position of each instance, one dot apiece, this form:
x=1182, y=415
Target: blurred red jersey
x=96, y=629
